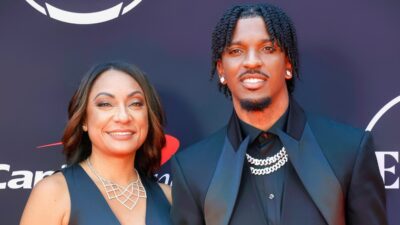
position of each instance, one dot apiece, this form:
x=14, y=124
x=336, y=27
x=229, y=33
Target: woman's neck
x=119, y=170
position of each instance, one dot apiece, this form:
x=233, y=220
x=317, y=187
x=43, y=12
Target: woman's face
x=116, y=115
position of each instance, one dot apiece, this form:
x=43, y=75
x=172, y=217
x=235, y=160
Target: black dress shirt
x=269, y=187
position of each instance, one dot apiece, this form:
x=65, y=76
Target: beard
x=251, y=105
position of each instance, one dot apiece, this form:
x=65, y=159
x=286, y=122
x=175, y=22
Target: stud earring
x=84, y=128
x=222, y=80
x=289, y=73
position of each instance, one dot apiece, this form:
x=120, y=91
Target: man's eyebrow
x=268, y=40
x=240, y=43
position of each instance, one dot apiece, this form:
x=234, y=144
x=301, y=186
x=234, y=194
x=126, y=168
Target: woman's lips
x=121, y=135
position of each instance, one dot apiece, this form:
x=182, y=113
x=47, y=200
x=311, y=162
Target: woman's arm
x=48, y=203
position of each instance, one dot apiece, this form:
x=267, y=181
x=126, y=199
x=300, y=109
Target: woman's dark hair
x=77, y=145
x=278, y=25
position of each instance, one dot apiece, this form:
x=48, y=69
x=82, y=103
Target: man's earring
x=222, y=79
x=289, y=73
x=84, y=128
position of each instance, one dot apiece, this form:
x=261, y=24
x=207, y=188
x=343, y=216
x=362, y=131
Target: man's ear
x=220, y=69
x=289, y=69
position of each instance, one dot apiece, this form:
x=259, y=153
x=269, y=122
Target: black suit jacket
x=332, y=179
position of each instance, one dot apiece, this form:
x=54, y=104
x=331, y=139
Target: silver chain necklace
x=269, y=164
x=127, y=196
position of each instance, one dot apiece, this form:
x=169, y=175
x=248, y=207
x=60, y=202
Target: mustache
x=254, y=71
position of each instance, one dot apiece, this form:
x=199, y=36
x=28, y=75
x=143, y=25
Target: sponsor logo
x=21, y=179
x=26, y=179
x=164, y=178
x=388, y=160
x=83, y=18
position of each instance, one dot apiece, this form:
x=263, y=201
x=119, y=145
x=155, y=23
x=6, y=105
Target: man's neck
x=266, y=118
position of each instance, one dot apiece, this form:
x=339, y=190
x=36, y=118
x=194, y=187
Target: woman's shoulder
x=55, y=184
x=48, y=202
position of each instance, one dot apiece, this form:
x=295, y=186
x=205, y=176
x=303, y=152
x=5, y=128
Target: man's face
x=254, y=67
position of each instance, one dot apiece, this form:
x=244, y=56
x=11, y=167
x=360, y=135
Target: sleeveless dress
x=89, y=207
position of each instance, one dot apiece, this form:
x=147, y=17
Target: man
x=273, y=163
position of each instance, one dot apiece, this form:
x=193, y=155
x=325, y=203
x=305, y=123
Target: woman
x=112, y=143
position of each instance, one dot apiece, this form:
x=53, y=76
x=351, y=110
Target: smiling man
x=273, y=163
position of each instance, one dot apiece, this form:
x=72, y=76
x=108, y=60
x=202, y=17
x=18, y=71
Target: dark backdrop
x=349, y=71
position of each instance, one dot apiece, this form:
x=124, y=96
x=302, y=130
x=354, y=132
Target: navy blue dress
x=88, y=206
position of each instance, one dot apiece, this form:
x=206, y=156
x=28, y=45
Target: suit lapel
x=224, y=186
x=305, y=156
x=316, y=175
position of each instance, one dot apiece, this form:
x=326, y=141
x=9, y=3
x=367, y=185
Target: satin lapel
x=224, y=186
x=316, y=175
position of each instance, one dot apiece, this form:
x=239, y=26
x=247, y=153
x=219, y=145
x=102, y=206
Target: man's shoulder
x=332, y=129
x=206, y=146
x=340, y=143
x=198, y=161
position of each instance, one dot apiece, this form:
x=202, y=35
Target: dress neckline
x=103, y=199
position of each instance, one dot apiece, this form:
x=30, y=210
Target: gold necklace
x=127, y=196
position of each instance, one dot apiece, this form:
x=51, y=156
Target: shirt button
x=271, y=196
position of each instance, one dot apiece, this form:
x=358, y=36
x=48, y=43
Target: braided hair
x=279, y=27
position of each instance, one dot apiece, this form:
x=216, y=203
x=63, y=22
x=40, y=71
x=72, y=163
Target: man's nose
x=252, y=59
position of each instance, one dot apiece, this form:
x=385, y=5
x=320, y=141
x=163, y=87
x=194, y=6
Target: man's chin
x=254, y=105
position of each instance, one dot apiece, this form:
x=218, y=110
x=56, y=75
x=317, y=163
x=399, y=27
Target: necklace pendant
x=127, y=196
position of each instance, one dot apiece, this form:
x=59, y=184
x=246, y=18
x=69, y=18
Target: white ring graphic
x=83, y=18
x=381, y=112
x=130, y=6
x=37, y=6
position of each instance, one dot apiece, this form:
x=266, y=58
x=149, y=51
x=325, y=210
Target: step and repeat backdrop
x=349, y=53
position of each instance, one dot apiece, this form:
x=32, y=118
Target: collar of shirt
x=249, y=130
